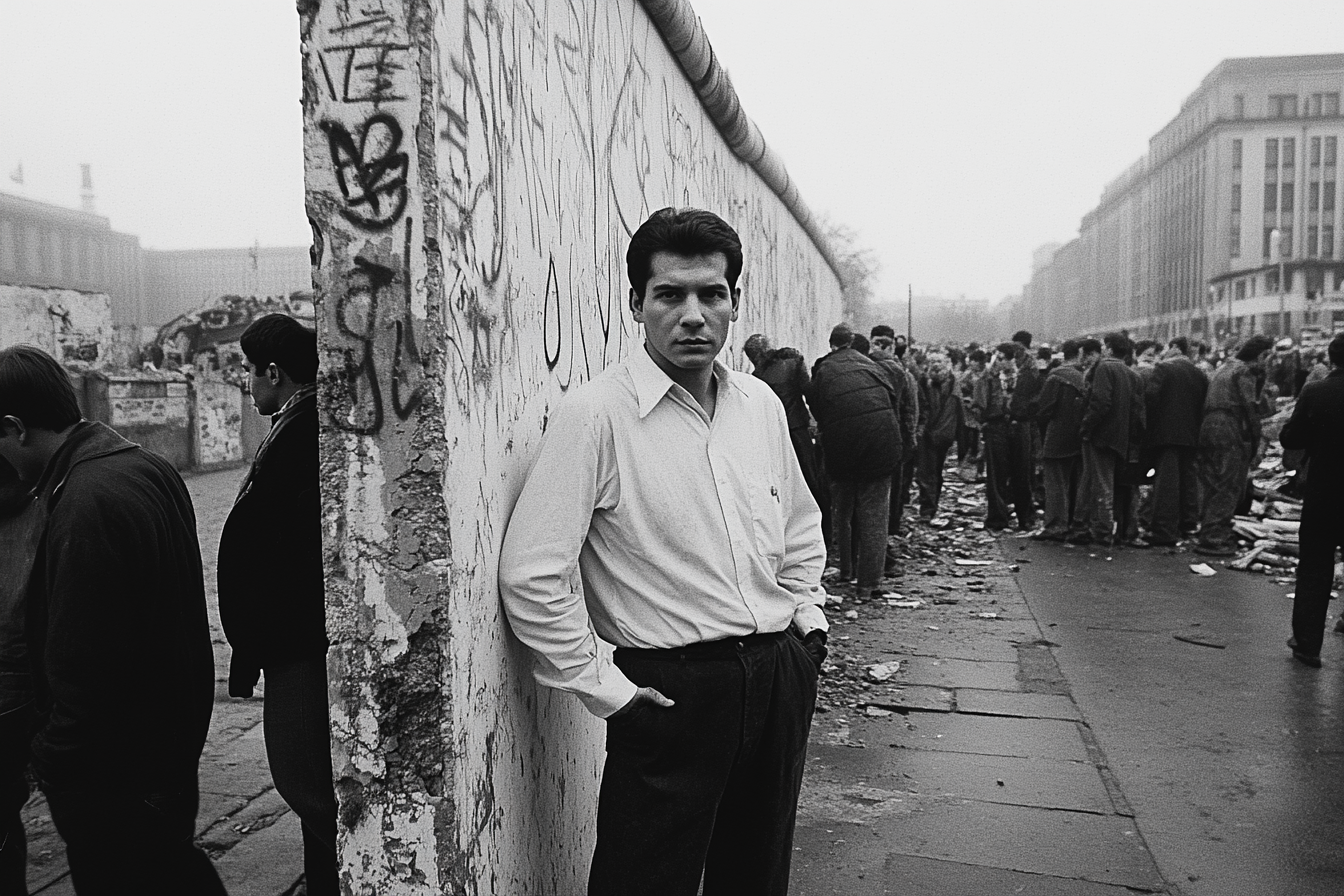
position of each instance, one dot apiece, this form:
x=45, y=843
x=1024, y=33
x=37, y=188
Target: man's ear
x=274, y=374
x=737, y=301
x=15, y=425
x=636, y=305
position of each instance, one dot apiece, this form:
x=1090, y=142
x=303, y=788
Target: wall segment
x=474, y=171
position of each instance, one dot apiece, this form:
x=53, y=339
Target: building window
x=1241, y=290
x=1265, y=248
x=1286, y=198
x=1236, y=197
x=1327, y=241
x=1236, y=155
x=1286, y=245
x=1323, y=104
x=1271, y=197
x=1271, y=153
x=1314, y=196
x=1235, y=250
x=1283, y=105
x=1239, y=105
x=1312, y=236
x=1289, y=147
x=1328, y=197
x=1315, y=151
x=1330, y=147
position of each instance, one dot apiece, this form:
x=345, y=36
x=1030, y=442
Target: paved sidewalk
x=970, y=770
x=243, y=824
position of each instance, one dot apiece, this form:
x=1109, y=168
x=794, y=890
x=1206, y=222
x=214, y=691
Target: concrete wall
x=73, y=326
x=474, y=170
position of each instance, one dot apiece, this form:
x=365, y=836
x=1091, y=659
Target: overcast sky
x=955, y=137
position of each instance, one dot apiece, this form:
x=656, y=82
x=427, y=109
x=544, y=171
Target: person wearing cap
x=1283, y=367
x=1317, y=427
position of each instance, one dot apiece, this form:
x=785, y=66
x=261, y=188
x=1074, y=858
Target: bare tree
x=858, y=271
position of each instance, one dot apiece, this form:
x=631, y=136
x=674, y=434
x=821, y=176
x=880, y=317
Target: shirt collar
x=303, y=392
x=651, y=383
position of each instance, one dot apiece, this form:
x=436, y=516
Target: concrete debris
x=1203, y=569
x=880, y=672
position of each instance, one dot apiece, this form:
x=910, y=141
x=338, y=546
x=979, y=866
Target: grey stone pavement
x=243, y=824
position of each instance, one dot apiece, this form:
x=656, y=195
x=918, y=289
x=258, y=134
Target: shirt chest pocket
x=767, y=515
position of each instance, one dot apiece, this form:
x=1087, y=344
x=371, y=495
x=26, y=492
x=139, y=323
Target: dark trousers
x=120, y=842
x=1096, y=495
x=994, y=438
x=1021, y=470
x=298, y=748
x=929, y=474
x=860, y=514
x=17, y=717
x=711, y=784
x=1175, y=493
x=901, y=480
x=1223, y=470
x=1322, y=532
x=1061, y=475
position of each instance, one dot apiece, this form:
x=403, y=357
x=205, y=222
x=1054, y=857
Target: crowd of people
x=1064, y=438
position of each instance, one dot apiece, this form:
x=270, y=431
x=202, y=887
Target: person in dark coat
x=1228, y=437
x=785, y=371
x=1175, y=398
x=1107, y=428
x=18, y=544
x=1317, y=427
x=854, y=403
x=271, y=599
x=888, y=351
x=1023, y=434
x=989, y=406
x=941, y=401
x=1060, y=406
x=118, y=638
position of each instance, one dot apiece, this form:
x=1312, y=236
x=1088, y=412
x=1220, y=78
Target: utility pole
x=909, y=314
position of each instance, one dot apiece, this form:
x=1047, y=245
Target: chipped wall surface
x=217, y=407
x=474, y=171
x=73, y=326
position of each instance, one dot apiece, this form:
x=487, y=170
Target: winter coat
x=1231, y=407
x=271, y=599
x=943, y=404
x=1060, y=405
x=117, y=625
x=1175, y=400
x=1317, y=426
x=1110, y=402
x=907, y=405
x=785, y=372
x=853, y=399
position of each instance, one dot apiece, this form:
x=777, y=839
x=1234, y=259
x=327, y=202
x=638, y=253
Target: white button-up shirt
x=683, y=528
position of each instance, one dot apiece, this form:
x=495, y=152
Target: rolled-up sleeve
x=574, y=474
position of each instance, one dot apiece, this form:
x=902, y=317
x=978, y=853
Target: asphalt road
x=1230, y=752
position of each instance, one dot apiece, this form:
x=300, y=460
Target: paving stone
x=913, y=874
x=908, y=697
x=992, y=735
x=265, y=863
x=1007, y=703
x=957, y=673
x=1046, y=783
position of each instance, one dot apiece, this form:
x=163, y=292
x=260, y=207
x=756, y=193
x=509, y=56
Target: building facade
x=1229, y=225
x=55, y=247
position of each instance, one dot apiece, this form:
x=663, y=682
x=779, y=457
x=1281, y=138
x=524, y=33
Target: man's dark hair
x=1022, y=338
x=1118, y=343
x=1044, y=353
x=898, y=348
x=681, y=231
x=841, y=336
x=1071, y=348
x=977, y=355
x=281, y=340
x=1011, y=349
x=1144, y=344
x=1254, y=347
x=1181, y=343
x=859, y=343
x=1335, y=351
x=1090, y=346
x=882, y=330
x=756, y=347
x=35, y=388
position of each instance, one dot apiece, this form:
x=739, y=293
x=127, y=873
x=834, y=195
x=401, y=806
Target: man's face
x=1091, y=358
x=262, y=384
x=882, y=348
x=16, y=450
x=686, y=309
x=1148, y=357
x=939, y=366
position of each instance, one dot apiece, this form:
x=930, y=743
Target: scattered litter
x=880, y=672
x=946, y=600
x=986, y=615
x=909, y=603
x=830, y=571
x=973, y=562
x=1014, y=568
x=1203, y=569
x=932, y=628
x=851, y=614
x=835, y=598
x=1202, y=642
x=877, y=712
x=940, y=522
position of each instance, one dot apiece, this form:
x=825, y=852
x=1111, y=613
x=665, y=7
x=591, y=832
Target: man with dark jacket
x=941, y=402
x=1060, y=407
x=1228, y=437
x=890, y=353
x=854, y=403
x=785, y=372
x=118, y=639
x=1022, y=431
x=1107, y=428
x=1175, y=398
x=271, y=599
x=18, y=543
x=1317, y=426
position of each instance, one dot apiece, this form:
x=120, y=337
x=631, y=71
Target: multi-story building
x=1229, y=225
x=49, y=245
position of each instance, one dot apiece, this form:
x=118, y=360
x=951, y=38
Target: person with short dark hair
x=271, y=599
x=1022, y=338
x=1175, y=398
x=1107, y=429
x=115, y=599
x=1060, y=406
x=1228, y=437
x=913, y=417
x=1317, y=427
x=669, y=482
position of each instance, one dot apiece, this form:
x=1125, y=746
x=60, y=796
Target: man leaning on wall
x=671, y=484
